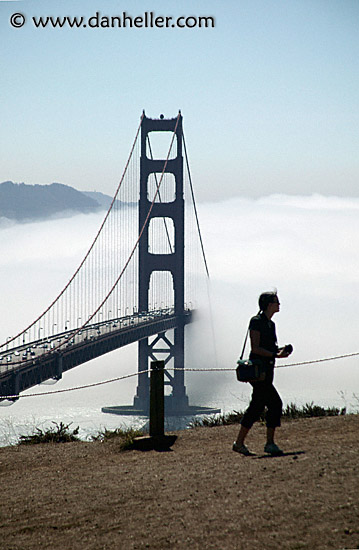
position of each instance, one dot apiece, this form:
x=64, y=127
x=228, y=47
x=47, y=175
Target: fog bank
x=306, y=247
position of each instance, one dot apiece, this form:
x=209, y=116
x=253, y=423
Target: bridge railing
x=16, y=356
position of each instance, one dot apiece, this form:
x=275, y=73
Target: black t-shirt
x=268, y=338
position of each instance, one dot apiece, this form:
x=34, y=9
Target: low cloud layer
x=306, y=247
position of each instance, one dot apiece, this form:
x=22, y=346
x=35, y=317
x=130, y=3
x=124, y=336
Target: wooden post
x=157, y=400
x=156, y=439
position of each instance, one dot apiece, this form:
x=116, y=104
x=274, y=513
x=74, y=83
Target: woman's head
x=267, y=298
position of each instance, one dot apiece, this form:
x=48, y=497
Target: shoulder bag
x=250, y=370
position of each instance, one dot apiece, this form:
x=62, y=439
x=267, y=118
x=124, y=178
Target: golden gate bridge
x=138, y=282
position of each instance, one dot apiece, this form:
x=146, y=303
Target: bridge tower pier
x=172, y=262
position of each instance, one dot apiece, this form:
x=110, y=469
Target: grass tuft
x=309, y=410
x=217, y=420
x=123, y=437
x=291, y=412
x=60, y=433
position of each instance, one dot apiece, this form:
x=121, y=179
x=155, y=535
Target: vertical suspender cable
x=195, y=208
x=202, y=247
x=67, y=295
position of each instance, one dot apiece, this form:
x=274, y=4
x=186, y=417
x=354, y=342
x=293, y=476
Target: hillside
x=22, y=202
x=103, y=200
x=201, y=495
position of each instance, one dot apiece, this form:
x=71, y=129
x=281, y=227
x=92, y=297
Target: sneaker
x=273, y=449
x=242, y=449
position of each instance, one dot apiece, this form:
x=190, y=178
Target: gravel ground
x=199, y=495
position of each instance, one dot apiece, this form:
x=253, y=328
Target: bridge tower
x=173, y=262
x=167, y=345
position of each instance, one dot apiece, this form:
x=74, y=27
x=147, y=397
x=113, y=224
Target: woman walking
x=264, y=347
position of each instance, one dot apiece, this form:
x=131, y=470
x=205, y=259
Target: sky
x=269, y=95
x=269, y=98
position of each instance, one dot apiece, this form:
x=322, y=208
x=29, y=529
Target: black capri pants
x=264, y=395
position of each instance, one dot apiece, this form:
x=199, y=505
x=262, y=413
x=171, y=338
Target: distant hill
x=103, y=200
x=22, y=202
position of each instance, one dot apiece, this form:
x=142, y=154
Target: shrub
x=60, y=433
x=309, y=410
x=290, y=412
x=217, y=420
x=124, y=437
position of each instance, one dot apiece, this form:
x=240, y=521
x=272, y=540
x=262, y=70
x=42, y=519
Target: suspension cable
x=91, y=247
x=203, y=251
x=195, y=207
x=76, y=331
x=132, y=251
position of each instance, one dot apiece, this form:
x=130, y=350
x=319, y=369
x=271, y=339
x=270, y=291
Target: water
x=83, y=407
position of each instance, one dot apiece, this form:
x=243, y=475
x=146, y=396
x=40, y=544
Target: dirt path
x=201, y=495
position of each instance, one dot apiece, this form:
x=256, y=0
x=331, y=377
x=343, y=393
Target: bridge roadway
x=34, y=362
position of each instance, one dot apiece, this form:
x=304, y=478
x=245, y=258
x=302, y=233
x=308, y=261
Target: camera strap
x=244, y=345
x=245, y=341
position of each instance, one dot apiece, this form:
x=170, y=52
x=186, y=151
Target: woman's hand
x=285, y=351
